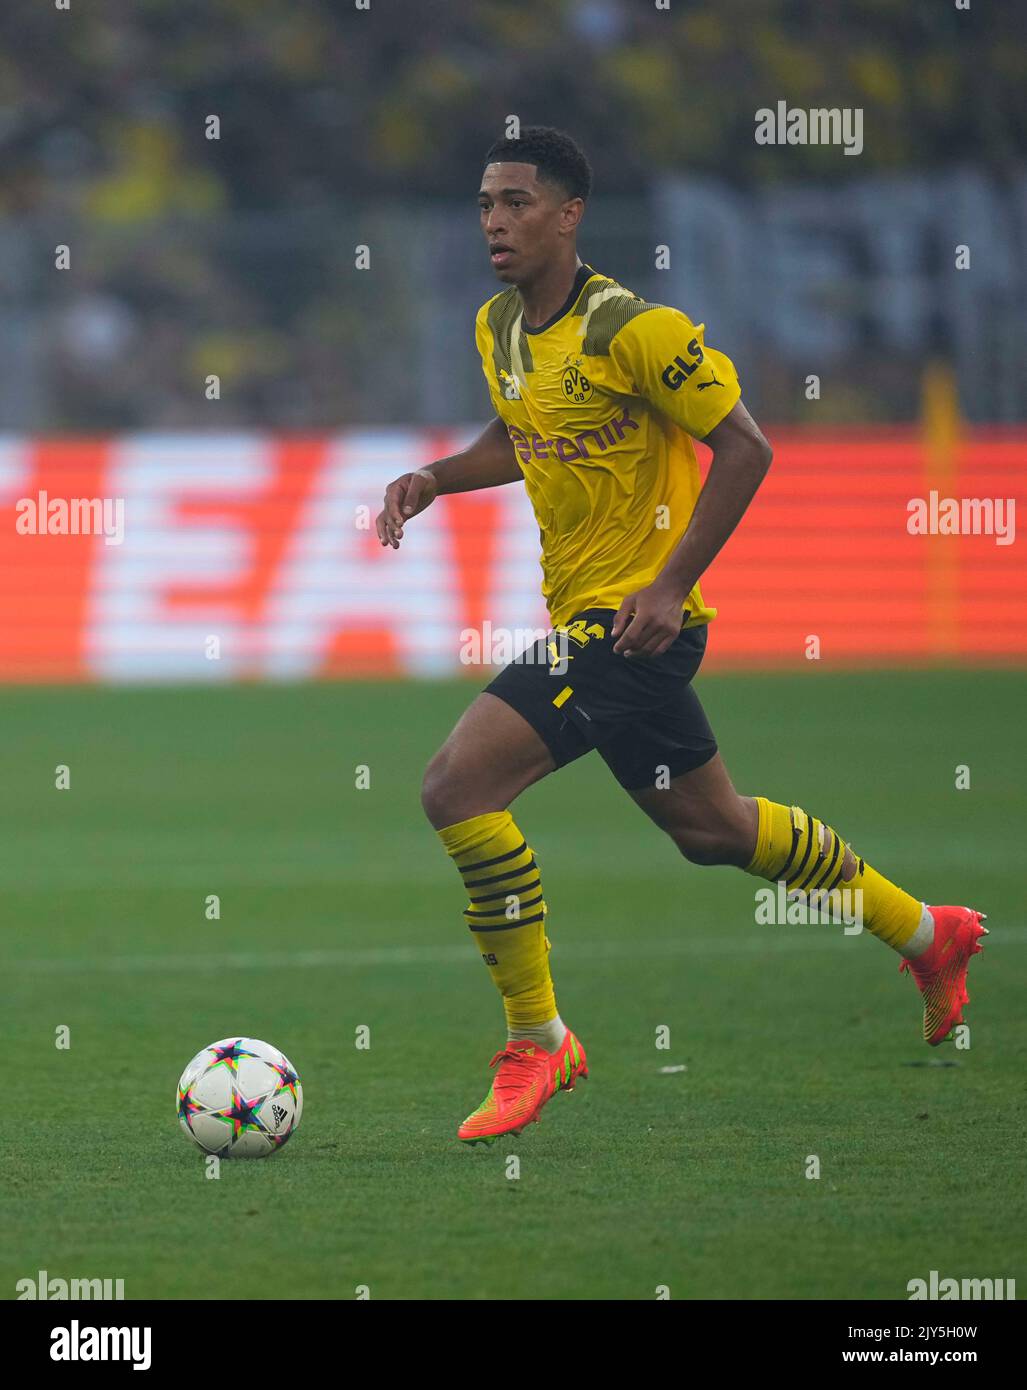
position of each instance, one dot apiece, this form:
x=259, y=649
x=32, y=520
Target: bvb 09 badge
x=576, y=387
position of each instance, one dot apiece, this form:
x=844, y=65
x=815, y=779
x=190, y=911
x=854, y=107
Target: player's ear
x=572, y=212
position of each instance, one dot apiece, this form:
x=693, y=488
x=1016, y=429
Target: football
x=240, y=1098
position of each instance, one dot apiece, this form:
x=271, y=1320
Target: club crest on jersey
x=576, y=387
x=511, y=386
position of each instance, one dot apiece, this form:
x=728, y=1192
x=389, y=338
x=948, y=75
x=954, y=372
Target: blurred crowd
x=193, y=255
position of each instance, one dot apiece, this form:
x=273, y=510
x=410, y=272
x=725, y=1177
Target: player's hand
x=404, y=498
x=648, y=621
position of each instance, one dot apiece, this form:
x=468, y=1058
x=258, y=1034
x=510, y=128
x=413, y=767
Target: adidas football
x=240, y=1098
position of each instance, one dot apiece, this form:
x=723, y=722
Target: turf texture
x=339, y=911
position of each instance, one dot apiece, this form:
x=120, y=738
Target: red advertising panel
x=216, y=557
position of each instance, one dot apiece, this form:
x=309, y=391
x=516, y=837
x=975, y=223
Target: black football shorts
x=640, y=713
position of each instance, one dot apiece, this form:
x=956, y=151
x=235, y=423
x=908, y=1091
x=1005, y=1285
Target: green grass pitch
x=339, y=909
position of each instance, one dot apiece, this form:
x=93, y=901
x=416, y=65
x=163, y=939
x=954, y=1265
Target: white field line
x=761, y=941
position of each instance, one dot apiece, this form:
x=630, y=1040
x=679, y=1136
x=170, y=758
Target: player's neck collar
x=584, y=274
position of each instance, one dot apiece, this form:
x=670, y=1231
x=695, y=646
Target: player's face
x=521, y=219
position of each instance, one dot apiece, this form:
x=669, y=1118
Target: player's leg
x=712, y=824
x=701, y=812
x=491, y=756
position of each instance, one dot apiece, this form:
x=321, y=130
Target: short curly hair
x=557, y=157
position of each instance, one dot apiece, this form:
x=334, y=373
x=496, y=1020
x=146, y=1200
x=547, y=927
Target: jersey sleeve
x=661, y=356
x=483, y=342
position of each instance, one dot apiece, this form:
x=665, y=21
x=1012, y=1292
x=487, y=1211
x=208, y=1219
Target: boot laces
x=515, y=1069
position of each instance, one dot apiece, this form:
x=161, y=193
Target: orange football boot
x=940, y=972
x=528, y=1075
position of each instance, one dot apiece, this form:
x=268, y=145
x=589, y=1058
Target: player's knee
x=438, y=792
x=448, y=794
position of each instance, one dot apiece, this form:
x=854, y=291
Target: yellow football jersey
x=600, y=403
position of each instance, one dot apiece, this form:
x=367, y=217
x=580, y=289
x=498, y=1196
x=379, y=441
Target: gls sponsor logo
x=678, y=371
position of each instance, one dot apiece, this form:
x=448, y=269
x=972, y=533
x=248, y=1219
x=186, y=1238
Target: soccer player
x=597, y=396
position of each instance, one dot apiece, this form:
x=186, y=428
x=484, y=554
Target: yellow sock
x=806, y=854
x=506, y=913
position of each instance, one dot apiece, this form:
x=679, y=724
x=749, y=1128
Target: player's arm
x=741, y=457
x=489, y=461
x=662, y=357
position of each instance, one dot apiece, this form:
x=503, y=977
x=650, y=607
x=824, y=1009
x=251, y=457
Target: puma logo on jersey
x=511, y=386
x=712, y=382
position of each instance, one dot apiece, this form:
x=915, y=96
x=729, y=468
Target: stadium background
x=342, y=128
x=237, y=778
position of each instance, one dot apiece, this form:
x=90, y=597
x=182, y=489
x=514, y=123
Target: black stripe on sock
x=498, y=878
x=839, y=850
x=822, y=868
x=509, y=926
x=793, y=878
x=796, y=834
x=499, y=859
x=492, y=911
x=503, y=893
